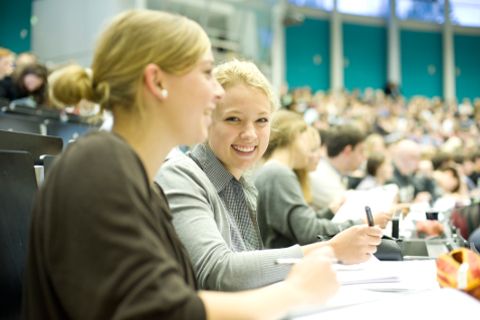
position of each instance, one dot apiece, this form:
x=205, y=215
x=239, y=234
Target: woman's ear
x=154, y=78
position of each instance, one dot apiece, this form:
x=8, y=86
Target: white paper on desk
x=430, y=304
x=372, y=271
x=394, y=275
x=412, y=276
x=415, y=279
x=380, y=199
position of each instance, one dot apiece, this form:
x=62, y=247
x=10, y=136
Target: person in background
x=345, y=154
x=60, y=97
x=7, y=59
x=212, y=197
x=24, y=59
x=33, y=82
x=379, y=170
x=406, y=159
x=374, y=143
x=283, y=214
x=30, y=85
x=392, y=90
x=72, y=102
x=316, y=153
x=101, y=241
x=450, y=183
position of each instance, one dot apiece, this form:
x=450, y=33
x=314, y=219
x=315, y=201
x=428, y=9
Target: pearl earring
x=164, y=93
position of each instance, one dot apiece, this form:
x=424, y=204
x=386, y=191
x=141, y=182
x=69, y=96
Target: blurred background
x=423, y=47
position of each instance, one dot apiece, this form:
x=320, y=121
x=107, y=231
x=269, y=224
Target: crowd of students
x=120, y=230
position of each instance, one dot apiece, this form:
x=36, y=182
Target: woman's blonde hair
x=68, y=85
x=303, y=174
x=133, y=40
x=4, y=52
x=236, y=72
x=285, y=126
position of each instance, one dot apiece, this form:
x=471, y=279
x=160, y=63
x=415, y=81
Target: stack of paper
x=380, y=199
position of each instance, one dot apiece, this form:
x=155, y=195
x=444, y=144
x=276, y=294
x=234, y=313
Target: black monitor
x=36, y=144
x=17, y=178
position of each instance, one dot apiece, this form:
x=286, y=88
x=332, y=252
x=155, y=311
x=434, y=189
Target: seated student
x=101, y=242
x=60, y=98
x=30, y=85
x=214, y=203
x=379, y=170
x=7, y=58
x=73, y=102
x=449, y=181
x=283, y=214
x=316, y=153
x=345, y=154
x=406, y=158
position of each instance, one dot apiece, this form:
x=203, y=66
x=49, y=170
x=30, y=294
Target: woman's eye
x=263, y=120
x=232, y=119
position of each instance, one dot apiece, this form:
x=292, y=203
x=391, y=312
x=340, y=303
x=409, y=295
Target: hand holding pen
x=381, y=219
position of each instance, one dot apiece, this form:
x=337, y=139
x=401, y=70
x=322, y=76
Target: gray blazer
x=200, y=219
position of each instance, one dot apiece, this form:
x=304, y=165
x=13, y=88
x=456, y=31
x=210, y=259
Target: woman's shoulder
x=277, y=167
x=99, y=161
x=274, y=169
x=99, y=146
x=179, y=162
x=181, y=169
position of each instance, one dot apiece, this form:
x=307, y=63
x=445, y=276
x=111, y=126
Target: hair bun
x=101, y=93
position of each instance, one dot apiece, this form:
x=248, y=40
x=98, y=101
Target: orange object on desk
x=460, y=268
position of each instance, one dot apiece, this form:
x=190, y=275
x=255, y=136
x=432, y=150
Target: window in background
x=465, y=12
x=376, y=8
x=326, y=5
x=422, y=10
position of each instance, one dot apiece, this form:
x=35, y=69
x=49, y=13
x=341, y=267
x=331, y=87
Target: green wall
x=421, y=51
x=467, y=60
x=364, y=50
x=303, y=43
x=15, y=17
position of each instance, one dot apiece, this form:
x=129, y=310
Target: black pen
x=370, y=221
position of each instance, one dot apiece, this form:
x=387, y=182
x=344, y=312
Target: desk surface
x=414, y=293
x=430, y=304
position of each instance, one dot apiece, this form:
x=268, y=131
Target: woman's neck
x=150, y=142
x=283, y=156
